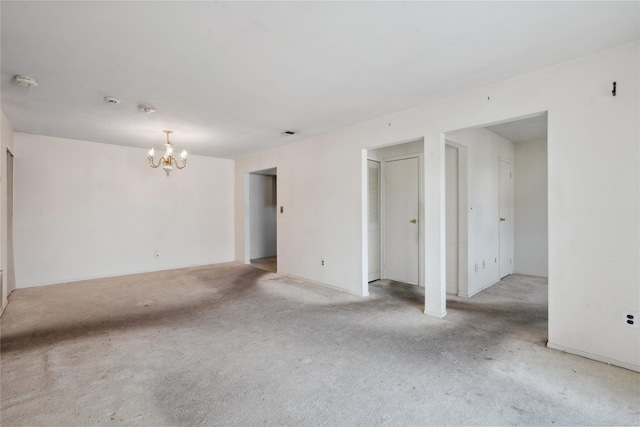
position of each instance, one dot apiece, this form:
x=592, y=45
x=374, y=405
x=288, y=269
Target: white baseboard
x=438, y=314
x=588, y=355
x=131, y=273
x=326, y=285
x=477, y=291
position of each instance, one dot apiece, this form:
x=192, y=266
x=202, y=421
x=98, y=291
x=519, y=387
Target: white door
x=505, y=220
x=451, y=215
x=401, y=220
x=374, y=219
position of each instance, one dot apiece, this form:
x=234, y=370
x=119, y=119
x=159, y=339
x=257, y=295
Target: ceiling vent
x=111, y=100
x=25, y=81
x=147, y=108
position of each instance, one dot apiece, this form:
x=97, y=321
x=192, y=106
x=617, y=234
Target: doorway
x=263, y=232
x=523, y=188
x=505, y=240
x=392, y=217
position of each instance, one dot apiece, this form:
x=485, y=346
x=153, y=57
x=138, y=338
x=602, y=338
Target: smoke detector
x=111, y=100
x=147, y=108
x=25, y=81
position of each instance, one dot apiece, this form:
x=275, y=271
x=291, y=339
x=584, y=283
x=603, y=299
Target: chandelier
x=167, y=161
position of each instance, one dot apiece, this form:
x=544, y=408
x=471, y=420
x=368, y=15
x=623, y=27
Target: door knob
x=502, y=219
x=413, y=221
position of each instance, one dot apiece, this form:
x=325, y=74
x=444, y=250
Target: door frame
x=383, y=255
x=463, y=218
x=9, y=275
x=379, y=244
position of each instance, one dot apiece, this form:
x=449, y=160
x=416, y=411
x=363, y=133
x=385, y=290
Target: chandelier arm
x=168, y=161
x=184, y=163
x=152, y=164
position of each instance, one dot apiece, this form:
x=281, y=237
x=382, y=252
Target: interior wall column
x=435, y=292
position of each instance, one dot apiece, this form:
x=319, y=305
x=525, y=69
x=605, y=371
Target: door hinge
x=510, y=261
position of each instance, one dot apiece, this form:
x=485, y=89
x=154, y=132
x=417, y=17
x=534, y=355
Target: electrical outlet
x=157, y=253
x=322, y=261
x=483, y=264
x=630, y=319
x=476, y=267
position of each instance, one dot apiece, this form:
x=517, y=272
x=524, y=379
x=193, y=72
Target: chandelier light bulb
x=152, y=152
x=183, y=154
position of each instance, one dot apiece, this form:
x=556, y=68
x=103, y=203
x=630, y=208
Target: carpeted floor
x=236, y=345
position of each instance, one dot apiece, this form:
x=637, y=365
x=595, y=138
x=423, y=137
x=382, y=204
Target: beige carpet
x=236, y=345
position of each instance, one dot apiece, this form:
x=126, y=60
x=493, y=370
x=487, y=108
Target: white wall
x=407, y=148
x=263, y=216
x=6, y=142
x=484, y=150
x=593, y=269
x=530, y=208
x=86, y=210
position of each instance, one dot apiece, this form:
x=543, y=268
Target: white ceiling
x=229, y=77
x=522, y=130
